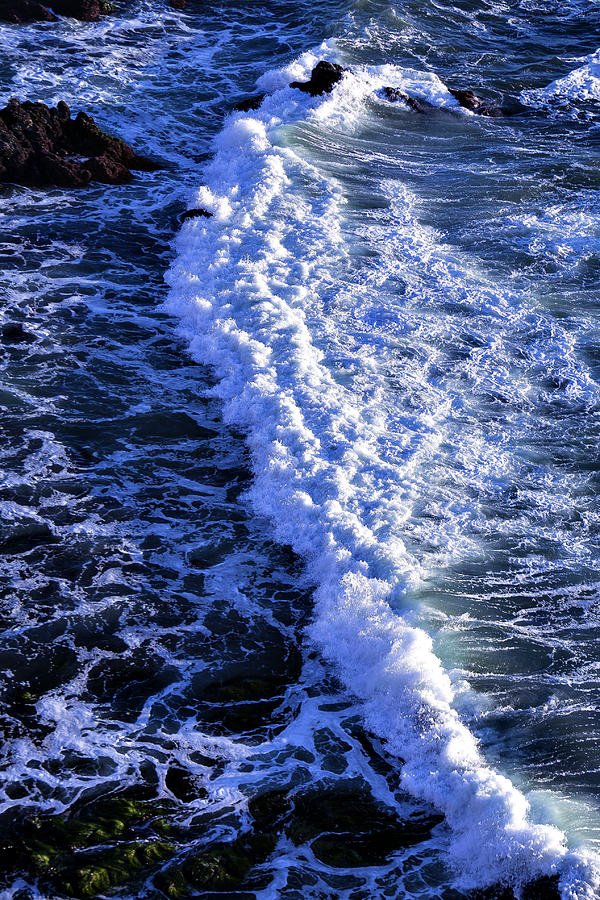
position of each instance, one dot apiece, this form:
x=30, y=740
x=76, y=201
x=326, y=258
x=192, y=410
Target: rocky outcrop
x=467, y=99
x=249, y=103
x=322, y=79
x=471, y=101
x=195, y=214
x=395, y=95
x=41, y=146
x=16, y=11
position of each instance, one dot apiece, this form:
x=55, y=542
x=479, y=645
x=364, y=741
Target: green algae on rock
x=100, y=846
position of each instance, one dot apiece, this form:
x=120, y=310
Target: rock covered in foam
x=395, y=95
x=42, y=146
x=322, y=79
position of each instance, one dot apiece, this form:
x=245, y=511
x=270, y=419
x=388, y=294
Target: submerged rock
x=14, y=333
x=395, y=95
x=41, y=146
x=322, y=79
x=348, y=828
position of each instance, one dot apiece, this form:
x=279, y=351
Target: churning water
x=300, y=552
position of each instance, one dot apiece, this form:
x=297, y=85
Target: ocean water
x=300, y=525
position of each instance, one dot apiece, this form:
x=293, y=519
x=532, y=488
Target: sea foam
x=247, y=286
x=583, y=83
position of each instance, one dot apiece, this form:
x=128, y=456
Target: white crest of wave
x=582, y=83
x=242, y=284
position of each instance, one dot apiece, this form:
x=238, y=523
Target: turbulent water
x=300, y=524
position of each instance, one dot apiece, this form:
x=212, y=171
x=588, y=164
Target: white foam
x=582, y=83
x=248, y=287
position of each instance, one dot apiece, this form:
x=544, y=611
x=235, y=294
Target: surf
x=248, y=286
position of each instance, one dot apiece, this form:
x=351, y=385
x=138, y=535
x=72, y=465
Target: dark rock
x=182, y=784
x=471, y=101
x=322, y=79
x=221, y=868
x=14, y=333
x=249, y=103
x=17, y=11
x=178, y=4
x=544, y=888
x=31, y=11
x=269, y=810
x=348, y=828
x=195, y=214
x=395, y=95
x=41, y=146
x=85, y=10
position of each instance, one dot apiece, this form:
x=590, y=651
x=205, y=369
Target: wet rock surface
x=395, y=95
x=42, y=146
x=322, y=79
x=17, y=11
x=347, y=827
x=97, y=847
x=469, y=100
x=195, y=214
x=545, y=888
x=249, y=103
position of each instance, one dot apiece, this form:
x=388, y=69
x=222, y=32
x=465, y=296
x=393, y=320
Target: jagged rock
x=30, y=11
x=86, y=10
x=16, y=11
x=249, y=103
x=395, y=95
x=178, y=4
x=195, y=214
x=471, y=101
x=42, y=146
x=322, y=79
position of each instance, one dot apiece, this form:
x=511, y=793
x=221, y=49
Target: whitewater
x=333, y=471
